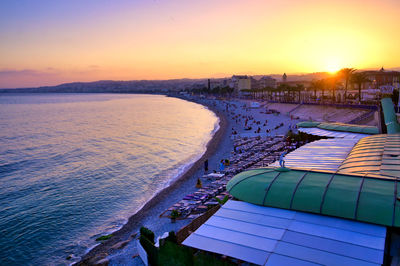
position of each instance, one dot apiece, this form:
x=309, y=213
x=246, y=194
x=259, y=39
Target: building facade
x=382, y=78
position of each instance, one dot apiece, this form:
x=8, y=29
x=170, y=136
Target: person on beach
x=199, y=184
x=282, y=159
x=221, y=166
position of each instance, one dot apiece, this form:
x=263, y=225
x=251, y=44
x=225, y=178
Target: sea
x=74, y=167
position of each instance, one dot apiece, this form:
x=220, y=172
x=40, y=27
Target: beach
x=121, y=248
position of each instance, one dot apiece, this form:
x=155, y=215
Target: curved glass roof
x=332, y=134
x=364, y=198
x=327, y=154
x=340, y=127
x=378, y=154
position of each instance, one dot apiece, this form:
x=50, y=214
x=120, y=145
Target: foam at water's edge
x=186, y=166
x=175, y=176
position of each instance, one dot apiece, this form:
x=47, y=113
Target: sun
x=333, y=66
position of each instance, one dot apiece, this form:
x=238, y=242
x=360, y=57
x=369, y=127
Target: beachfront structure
x=378, y=83
x=338, y=203
x=380, y=79
x=375, y=85
x=274, y=236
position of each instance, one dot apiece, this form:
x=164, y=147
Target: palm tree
x=316, y=85
x=299, y=88
x=277, y=92
x=332, y=83
x=289, y=94
x=346, y=73
x=359, y=79
x=282, y=88
x=266, y=92
x=324, y=85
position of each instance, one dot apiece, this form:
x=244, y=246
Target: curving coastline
x=122, y=236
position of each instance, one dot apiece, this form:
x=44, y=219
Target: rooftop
x=378, y=155
x=340, y=127
x=365, y=198
x=332, y=134
x=270, y=236
x=327, y=154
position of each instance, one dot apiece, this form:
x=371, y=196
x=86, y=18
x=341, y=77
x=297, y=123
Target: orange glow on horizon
x=191, y=39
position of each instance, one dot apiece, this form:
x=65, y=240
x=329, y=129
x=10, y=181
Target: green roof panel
x=397, y=208
x=245, y=175
x=388, y=110
x=362, y=129
x=376, y=201
x=308, y=124
x=341, y=196
x=389, y=114
x=281, y=190
x=259, y=182
x=309, y=194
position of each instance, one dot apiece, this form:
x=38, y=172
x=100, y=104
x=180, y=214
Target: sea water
x=76, y=166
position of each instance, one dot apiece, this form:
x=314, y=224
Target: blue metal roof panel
x=317, y=256
x=252, y=255
x=334, y=246
x=271, y=236
x=279, y=260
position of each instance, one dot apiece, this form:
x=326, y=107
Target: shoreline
x=125, y=233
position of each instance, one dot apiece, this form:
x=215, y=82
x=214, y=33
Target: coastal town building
x=244, y=84
x=241, y=82
x=254, y=84
x=214, y=83
x=304, y=83
x=300, y=88
x=267, y=82
x=377, y=84
x=383, y=79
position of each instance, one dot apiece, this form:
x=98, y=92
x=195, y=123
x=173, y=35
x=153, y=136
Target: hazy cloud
x=10, y=72
x=15, y=78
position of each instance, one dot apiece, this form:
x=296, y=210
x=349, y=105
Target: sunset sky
x=47, y=42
